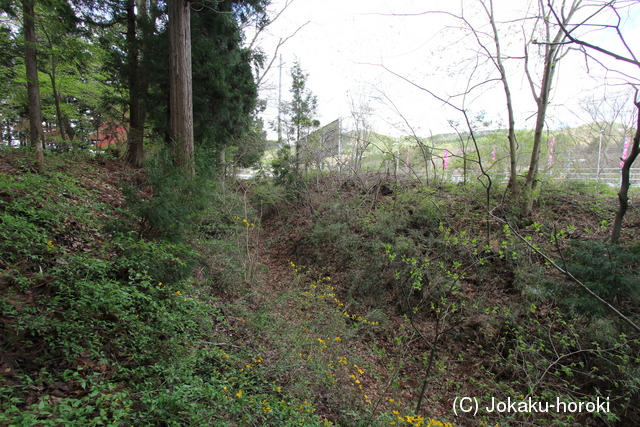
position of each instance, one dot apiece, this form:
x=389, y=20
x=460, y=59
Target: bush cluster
x=105, y=311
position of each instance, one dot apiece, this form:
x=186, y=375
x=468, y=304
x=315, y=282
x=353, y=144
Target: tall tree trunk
x=56, y=97
x=135, y=138
x=71, y=133
x=63, y=124
x=146, y=23
x=513, y=183
x=543, y=101
x=623, y=197
x=180, y=83
x=36, y=135
x=551, y=58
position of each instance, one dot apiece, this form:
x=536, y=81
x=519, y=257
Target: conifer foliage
x=611, y=271
x=105, y=65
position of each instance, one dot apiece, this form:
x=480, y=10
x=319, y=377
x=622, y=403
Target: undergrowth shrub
x=225, y=236
x=358, y=231
x=170, y=262
x=533, y=283
x=311, y=338
x=611, y=271
x=284, y=168
x=19, y=237
x=424, y=209
x=586, y=188
x=449, y=277
x=268, y=199
x=113, y=328
x=171, y=200
x=549, y=355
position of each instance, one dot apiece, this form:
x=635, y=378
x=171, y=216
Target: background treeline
x=103, y=70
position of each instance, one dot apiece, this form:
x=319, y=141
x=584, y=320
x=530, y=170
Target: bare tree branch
x=281, y=42
x=632, y=60
x=568, y=274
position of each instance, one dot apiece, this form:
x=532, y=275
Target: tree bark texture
x=135, y=138
x=180, y=84
x=543, y=102
x=551, y=58
x=36, y=135
x=56, y=100
x=513, y=182
x=623, y=196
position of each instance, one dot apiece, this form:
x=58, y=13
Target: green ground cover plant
x=436, y=262
x=108, y=325
x=351, y=302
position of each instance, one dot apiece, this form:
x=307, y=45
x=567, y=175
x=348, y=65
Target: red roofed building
x=109, y=134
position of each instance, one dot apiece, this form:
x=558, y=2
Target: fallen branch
x=568, y=274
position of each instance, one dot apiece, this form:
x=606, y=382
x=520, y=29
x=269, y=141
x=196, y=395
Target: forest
x=169, y=256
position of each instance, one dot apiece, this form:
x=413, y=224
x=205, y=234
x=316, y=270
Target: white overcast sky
x=344, y=43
